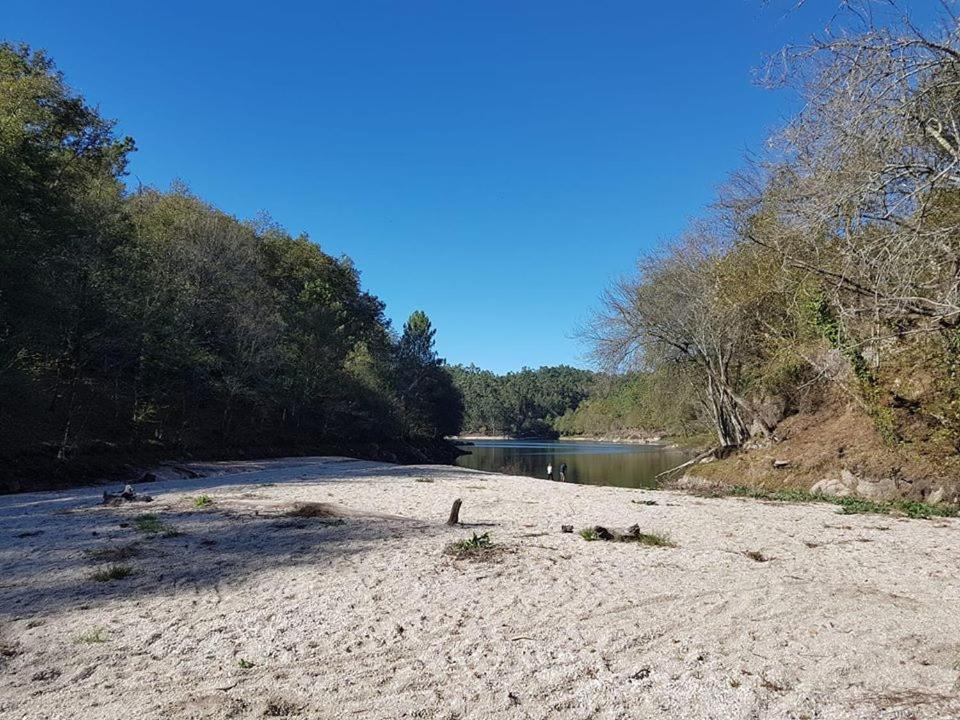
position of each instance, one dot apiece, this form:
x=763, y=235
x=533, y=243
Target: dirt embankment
x=838, y=450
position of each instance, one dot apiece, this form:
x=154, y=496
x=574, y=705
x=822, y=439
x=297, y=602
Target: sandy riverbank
x=249, y=612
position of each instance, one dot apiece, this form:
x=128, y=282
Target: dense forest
x=633, y=405
x=134, y=320
x=825, y=282
x=519, y=404
x=554, y=401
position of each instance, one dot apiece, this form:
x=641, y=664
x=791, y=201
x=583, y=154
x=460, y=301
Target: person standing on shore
x=549, y=471
x=563, y=472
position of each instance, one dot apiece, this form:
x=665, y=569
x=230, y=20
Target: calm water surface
x=588, y=463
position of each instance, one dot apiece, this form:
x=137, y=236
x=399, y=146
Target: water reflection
x=588, y=463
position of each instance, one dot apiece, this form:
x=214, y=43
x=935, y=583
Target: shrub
x=113, y=572
x=150, y=524
x=97, y=635
x=474, y=546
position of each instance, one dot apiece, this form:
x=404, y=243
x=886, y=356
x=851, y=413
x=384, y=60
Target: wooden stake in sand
x=455, y=512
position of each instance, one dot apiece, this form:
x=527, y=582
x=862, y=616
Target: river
x=588, y=463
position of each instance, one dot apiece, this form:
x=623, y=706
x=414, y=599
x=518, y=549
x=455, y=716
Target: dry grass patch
x=112, y=554
x=150, y=524
x=631, y=535
x=314, y=510
x=113, y=572
x=91, y=637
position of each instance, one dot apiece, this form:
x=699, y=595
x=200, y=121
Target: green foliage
x=475, y=542
x=651, y=539
x=474, y=546
x=823, y=320
x=589, y=534
x=153, y=320
x=633, y=404
x=202, y=501
x=852, y=505
x=432, y=402
x=150, y=524
x=527, y=403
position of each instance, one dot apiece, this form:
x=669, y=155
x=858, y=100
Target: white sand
x=366, y=617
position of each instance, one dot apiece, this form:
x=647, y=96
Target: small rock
x=780, y=464
x=125, y=495
x=566, y=528
x=870, y=488
x=603, y=533
x=831, y=486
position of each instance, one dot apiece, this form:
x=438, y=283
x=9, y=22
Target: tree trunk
x=454, y=512
x=728, y=421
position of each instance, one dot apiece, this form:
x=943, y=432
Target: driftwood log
x=455, y=512
x=717, y=452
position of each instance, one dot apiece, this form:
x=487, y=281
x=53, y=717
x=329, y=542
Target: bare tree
x=679, y=308
x=863, y=187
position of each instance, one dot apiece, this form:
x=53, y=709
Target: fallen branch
x=688, y=463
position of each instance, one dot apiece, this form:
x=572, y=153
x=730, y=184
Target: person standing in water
x=563, y=472
x=549, y=471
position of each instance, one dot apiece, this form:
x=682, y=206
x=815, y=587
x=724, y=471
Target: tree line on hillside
x=829, y=267
x=633, y=405
x=554, y=401
x=519, y=404
x=136, y=320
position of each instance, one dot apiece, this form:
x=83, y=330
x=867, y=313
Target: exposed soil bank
x=235, y=608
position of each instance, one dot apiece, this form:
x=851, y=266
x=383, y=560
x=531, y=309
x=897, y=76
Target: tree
x=688, y=305
x=863, y=187
x=153, y=320
x=434, y=406
x=60, y=222
x=525, y=403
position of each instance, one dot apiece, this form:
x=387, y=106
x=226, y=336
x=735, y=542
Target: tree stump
x=455, y=512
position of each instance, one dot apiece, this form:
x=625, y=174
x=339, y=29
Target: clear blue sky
x=493, y=162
